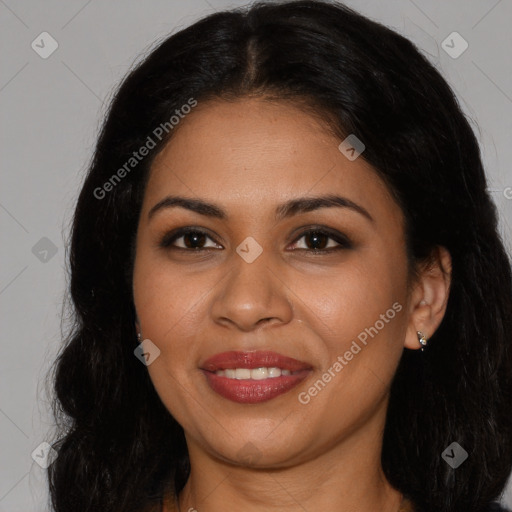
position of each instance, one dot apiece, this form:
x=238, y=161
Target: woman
x=289, y=288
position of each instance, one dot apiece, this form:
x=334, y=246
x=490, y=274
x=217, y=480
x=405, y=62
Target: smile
x=254, y=374
x=253, y=377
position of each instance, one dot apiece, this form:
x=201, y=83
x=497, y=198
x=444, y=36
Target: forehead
x=253, y=152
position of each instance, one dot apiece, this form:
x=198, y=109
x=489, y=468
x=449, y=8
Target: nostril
x=263, y=320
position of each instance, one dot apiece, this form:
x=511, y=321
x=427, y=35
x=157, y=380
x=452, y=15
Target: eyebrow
x=288, y=209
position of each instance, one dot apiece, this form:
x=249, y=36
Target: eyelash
x=344, y=243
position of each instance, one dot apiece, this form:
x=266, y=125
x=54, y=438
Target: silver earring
x=138, y=337
x=422, y=340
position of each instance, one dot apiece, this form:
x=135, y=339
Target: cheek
x=358, y=313
x=171, y=307
x=169, y=310
x=354, y=295
x=162, y=295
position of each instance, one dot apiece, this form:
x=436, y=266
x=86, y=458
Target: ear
x=429, y=297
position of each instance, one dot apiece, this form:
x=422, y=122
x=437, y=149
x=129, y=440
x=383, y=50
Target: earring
x=138, y=337
x=422, y=340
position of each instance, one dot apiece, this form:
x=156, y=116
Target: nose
x=252, y=295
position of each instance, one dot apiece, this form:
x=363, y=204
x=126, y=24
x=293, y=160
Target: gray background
x=51, y=110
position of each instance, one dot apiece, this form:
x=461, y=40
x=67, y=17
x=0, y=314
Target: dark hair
x=119, y=447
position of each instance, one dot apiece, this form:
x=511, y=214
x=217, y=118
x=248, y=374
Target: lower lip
x=248, y=391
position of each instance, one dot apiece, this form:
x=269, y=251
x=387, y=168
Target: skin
x=247, y=157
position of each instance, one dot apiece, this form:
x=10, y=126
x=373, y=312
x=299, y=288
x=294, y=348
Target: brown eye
x=193, y=239
x=322, y=240
x=316, y=240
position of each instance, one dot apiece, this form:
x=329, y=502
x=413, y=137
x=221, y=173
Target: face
x=324, y=284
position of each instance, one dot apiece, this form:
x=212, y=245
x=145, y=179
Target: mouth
x=253, y=377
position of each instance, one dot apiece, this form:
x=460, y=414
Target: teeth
x=274, y=372
x=254, y=374
x=259, y=373
x=242, y=373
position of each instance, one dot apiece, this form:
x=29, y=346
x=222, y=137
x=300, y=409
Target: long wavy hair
x=119, y=449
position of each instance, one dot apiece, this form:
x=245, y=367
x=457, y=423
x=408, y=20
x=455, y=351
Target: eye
x=317, y=240
x=193, y=239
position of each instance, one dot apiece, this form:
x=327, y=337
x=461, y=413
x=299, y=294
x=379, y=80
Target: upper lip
x=253, y=359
